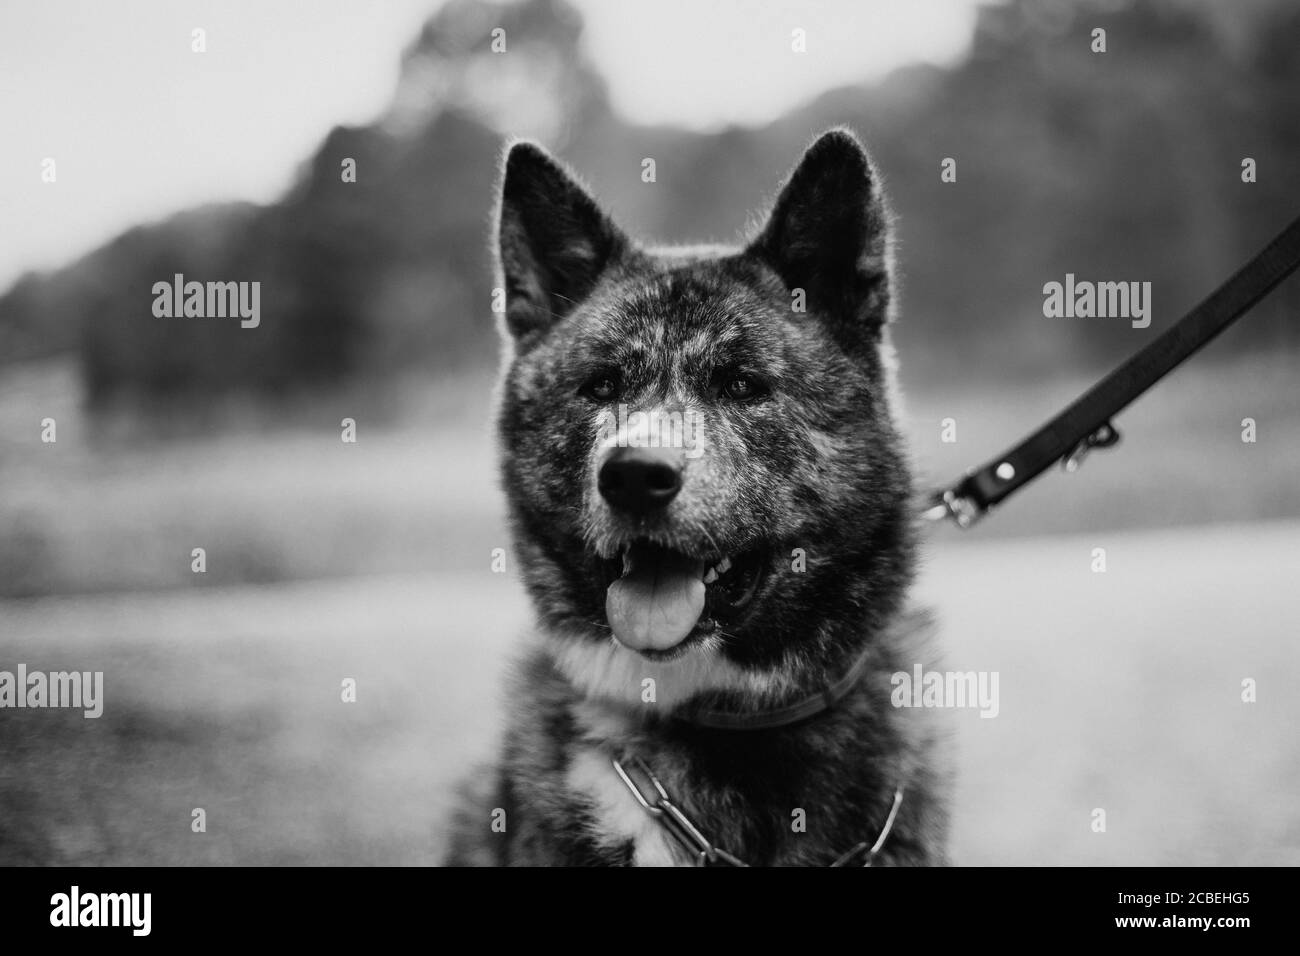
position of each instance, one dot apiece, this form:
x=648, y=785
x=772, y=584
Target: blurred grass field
x=371, y=561
x=1112, y=696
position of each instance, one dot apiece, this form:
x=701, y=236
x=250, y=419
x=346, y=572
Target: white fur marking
x=618, y=817
x=613, y=672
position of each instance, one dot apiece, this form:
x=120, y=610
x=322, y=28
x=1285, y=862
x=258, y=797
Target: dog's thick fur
x=808, y=468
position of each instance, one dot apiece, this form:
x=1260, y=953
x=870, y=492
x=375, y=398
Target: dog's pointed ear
x=553, y=240
x=828, y=234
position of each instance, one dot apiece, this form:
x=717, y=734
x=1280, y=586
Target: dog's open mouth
x=658, y=598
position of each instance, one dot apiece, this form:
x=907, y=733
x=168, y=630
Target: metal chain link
x=690, y=838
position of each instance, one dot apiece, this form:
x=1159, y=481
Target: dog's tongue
x=657, y=601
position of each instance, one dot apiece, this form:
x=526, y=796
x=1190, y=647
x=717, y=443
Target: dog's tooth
x=724, y=565
x=710, y=576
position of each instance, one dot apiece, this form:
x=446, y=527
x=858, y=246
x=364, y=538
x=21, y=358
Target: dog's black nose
x=640, y=480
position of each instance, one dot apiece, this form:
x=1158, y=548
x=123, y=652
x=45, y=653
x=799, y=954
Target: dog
x=719, y=607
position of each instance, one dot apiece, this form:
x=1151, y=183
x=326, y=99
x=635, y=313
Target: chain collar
x=667, y=814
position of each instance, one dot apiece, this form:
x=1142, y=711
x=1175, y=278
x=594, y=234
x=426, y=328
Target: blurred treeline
x=1122, y=166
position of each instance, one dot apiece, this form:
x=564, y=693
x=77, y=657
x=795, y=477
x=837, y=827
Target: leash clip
x=1104, y=436
x=959, y=508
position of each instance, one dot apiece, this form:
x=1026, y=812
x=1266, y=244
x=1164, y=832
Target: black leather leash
x=1086, y=424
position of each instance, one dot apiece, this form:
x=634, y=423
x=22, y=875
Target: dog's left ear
x=828, y=235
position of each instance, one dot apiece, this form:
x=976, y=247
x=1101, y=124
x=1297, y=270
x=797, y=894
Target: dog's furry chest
x=616, y=822
x=796, y=797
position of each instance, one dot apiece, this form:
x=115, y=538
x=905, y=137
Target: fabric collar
x=809, y=706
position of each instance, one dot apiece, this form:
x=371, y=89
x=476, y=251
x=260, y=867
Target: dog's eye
x=601, y=388
x=741, y=387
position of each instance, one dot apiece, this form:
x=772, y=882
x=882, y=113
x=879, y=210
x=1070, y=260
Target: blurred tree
x=1120, y=166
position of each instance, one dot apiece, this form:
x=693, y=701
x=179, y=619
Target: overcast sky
x=141, y=127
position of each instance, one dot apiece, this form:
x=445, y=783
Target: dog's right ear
x=553, y=241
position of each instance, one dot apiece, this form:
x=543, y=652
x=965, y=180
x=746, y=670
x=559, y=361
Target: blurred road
x=1116, y=692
